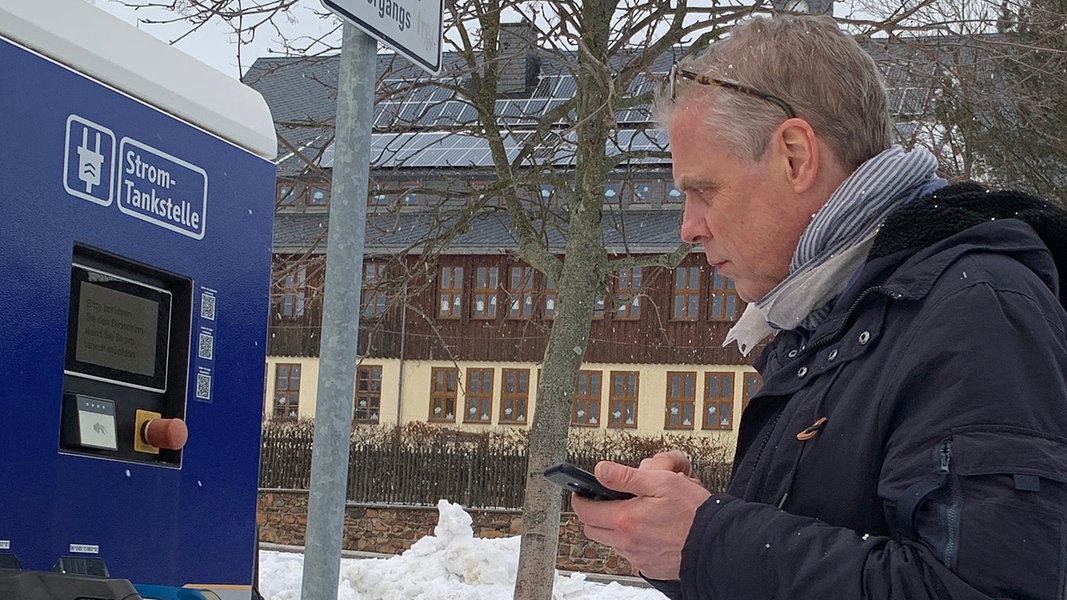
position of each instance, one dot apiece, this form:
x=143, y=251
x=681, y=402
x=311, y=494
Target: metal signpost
x=414, y=29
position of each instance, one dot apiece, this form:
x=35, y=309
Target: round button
x=168, y=434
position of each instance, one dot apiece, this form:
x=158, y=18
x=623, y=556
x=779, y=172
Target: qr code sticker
x=206, y=347
x=203, y=386
x=207, y=306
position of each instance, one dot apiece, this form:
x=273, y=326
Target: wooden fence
x=420, y=470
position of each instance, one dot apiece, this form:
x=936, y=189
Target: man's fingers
x=673, y=460
x=643, y=482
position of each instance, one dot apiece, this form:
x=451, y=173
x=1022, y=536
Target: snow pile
x=451, y=558
x=452, y=564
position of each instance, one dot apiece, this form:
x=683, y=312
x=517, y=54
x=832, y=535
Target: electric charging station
x=136, y=207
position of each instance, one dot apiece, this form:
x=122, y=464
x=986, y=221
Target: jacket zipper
x=952, y=508
x=763, y=445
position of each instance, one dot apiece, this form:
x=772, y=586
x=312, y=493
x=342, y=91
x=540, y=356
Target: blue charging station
x=136, y=206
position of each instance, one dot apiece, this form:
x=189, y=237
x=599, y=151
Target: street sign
x=414, y=28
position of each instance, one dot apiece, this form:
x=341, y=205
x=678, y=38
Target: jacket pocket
x=997, y=520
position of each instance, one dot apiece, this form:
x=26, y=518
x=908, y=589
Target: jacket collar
x=901, y=270
x=923, y=227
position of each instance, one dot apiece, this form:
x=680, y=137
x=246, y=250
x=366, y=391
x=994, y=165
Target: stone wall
x=386, y=529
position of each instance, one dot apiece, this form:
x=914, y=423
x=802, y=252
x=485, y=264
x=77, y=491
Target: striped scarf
x=835, y=244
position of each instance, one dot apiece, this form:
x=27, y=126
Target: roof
x=426, y=126
x=423, y=124
x=646, y=231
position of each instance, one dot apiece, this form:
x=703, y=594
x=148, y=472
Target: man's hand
x=672, y=460
x=651, y=529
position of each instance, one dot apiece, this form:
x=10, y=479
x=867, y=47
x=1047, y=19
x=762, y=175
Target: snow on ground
x=452, y=564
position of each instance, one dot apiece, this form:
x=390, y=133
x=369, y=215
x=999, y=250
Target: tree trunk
x=578, y=288
x=582, y=282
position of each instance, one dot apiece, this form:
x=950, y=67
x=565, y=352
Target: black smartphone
x=582, y=482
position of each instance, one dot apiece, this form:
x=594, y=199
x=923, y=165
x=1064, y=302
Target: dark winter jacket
x=914, y=445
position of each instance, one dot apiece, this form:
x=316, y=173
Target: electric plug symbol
x=90, y=161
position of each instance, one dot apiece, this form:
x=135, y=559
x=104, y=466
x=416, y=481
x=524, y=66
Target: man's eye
x=698, y=194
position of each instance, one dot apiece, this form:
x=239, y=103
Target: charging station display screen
x=118, y=329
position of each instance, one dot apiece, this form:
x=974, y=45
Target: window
x=753, y=382
x=514, y=395
x=547, y=194
x=485, y=292
x=484, y=193
x=673, y=195
x=285, y=194
x=627, y=285
x=520, y=292
x=319, y=195
x=718, y=400
x=681, y=400
x=290, y=193
x=550, y=298
x=368, y=394
x=622, y=399
x=479, y=396
x=376, y=195
x=686, y=293
x=409, y=193
x=286, y=391
x=443, y=394
x=586, y=411
x=375, y=301
x=641, y=192
x=450, y=293
x=611, y=193
x=722, y=302
x=294, y=292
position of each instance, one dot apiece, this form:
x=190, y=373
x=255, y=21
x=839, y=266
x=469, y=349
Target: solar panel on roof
x=467, y=114
x=510, y=108
x=455, y=149
x=567, y=87
x=421, y=103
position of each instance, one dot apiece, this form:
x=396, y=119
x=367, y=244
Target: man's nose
x=694, y=229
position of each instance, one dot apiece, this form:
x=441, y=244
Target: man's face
x=742, y=212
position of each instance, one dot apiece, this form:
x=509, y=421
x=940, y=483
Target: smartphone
x=582, y=482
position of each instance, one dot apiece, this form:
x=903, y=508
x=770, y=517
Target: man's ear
x=800, y=151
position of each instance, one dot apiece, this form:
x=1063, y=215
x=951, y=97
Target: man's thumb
x=622, y=478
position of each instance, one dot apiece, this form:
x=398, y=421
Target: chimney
x=518, y=61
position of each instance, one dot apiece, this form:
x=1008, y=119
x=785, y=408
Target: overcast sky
x=214, y=44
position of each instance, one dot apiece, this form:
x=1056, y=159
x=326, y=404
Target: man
x=910, y=438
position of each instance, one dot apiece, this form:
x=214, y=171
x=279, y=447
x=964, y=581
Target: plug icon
x=90, y=161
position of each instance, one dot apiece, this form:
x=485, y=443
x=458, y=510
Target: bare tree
x=987, y=85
